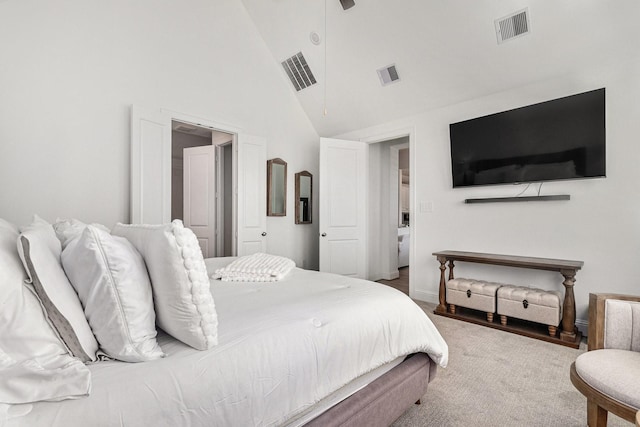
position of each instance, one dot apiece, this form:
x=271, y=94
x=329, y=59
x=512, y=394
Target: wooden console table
x=569, y=334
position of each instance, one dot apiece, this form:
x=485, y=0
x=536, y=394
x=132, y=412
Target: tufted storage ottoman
x=473, y=294
x=535, y=305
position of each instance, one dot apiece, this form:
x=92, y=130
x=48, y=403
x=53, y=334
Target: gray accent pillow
x=39, y=250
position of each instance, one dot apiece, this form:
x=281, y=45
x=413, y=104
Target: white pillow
x=68, y=229
x=39, y=249
x=113, y=285
x=183, y=301
x=28, y=340
x=31, y=381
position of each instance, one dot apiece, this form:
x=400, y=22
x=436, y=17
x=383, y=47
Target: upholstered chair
x=608, y=374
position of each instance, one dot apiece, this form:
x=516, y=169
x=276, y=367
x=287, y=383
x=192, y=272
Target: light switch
x=426, y=207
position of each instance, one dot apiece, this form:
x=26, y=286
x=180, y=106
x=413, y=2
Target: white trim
x=199, y=121
x=426, y=296
x=394, y=209
x=583, y=326
x=404, y=131
x=392, y=275
x=164, y=117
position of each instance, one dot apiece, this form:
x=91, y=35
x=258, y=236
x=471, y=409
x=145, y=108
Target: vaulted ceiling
x=445, y=51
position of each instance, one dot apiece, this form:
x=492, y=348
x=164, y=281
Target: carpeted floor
x=496, y=378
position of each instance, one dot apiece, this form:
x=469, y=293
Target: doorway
x=369, y=204
x=390, y=169
x=202, y=185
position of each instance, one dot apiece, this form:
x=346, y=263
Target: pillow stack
x=34, y=363
x=92, y=293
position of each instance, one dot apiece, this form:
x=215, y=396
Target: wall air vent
x=298, y=71
x=513, y=26
x=388, y=75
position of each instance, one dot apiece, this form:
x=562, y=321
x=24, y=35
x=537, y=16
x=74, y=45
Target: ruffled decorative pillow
x=183, y=302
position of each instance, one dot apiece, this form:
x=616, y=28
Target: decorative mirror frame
x=270, y=163
x=297, y=197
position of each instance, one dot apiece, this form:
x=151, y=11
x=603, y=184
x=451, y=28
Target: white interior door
x=150, y=166
x=199, y=196
x=343, y=207
x=252, y=195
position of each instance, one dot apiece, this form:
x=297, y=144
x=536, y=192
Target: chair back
x=622, y=325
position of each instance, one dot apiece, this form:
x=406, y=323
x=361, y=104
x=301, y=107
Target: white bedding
x=283, y=347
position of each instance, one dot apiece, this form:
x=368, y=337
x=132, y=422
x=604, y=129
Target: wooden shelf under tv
x=569, y=335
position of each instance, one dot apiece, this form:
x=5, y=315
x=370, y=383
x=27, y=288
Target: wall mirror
x=304, y=187
x=276, y=187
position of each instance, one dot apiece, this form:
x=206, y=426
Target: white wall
x=600, y=225
x=70, y=70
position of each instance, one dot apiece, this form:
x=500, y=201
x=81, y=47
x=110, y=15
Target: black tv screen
x=559, y=139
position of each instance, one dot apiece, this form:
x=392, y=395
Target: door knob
x=324, y=234
x=264, y=233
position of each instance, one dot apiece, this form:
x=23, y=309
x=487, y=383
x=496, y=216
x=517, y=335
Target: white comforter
x=283, y=347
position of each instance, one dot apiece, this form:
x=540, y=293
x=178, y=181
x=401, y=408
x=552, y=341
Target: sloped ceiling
x=445, y=51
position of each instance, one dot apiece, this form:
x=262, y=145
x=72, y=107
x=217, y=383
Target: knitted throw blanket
x=258, y=267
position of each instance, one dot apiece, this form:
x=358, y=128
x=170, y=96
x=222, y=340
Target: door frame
x=163, y=117
x=409, y=131
x=394, y=189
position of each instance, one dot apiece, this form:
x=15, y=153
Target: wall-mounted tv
x=559, y=139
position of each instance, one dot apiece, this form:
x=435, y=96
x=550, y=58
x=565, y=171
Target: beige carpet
x=496, y=378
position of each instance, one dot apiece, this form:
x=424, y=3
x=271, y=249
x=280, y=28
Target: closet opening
x=202, y=185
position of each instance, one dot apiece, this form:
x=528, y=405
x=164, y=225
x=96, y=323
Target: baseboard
x=387, y=275
x=583, y=326
x=392, y=275
x=425, y=296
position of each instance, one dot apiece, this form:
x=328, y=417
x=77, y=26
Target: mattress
x=286, y=350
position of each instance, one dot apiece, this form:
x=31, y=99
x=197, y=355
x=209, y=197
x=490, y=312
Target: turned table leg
x=568, y=332
x=442, y=307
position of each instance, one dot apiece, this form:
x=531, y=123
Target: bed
x=311, y=349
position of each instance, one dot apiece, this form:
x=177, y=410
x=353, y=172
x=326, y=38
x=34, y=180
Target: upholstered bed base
x=383, y=400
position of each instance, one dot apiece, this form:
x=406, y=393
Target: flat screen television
x=559, y=139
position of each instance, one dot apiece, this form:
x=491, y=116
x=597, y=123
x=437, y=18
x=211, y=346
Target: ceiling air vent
x=388, y=75
x=298, y=71
x=512, y=26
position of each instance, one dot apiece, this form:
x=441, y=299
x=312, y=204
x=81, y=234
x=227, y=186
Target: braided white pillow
x=182, y=298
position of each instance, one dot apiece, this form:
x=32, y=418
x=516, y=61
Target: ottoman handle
x=525, y=303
